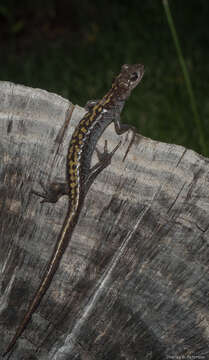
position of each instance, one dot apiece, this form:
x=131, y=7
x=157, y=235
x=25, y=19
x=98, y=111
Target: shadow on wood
x=134, y=281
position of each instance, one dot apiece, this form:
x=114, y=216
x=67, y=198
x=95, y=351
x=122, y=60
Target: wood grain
x=134, y=281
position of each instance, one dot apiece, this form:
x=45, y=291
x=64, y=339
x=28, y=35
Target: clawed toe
x=105, y=155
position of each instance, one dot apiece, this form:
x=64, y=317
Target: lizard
x=79, y=173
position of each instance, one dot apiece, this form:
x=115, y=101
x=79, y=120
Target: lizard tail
x=59, y=249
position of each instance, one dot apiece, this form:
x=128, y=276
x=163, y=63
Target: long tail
x=59, y=249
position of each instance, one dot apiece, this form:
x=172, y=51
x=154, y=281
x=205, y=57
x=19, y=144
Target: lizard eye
x=134, y=76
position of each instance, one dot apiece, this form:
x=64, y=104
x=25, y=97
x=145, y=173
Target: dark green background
x=74, y=48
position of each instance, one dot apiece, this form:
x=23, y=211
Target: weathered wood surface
x=134, y=281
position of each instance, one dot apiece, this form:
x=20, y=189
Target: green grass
x=188, y=85
x=80, y=65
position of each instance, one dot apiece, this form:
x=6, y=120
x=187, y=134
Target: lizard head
x=127, y=80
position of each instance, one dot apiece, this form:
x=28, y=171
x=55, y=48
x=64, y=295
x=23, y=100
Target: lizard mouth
x=136, y=75
x=140, y=71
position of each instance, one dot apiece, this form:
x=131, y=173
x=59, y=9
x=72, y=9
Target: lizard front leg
x=90, y=104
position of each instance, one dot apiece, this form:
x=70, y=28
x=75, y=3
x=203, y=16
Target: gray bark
x=134, y=280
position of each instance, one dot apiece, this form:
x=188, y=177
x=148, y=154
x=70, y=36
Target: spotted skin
x=80, y=175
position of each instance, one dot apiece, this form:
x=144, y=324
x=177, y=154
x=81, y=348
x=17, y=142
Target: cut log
x=134, y=280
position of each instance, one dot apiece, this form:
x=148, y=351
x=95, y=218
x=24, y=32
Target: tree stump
x=134, y=280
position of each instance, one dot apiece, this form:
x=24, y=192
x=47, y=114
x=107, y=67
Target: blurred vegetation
x=74, y=48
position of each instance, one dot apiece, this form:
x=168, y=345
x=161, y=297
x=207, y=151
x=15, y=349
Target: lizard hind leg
x=104, y=160
x=121, y=129
x=53, y=192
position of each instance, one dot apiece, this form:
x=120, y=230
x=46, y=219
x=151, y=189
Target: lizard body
x=80, y=175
